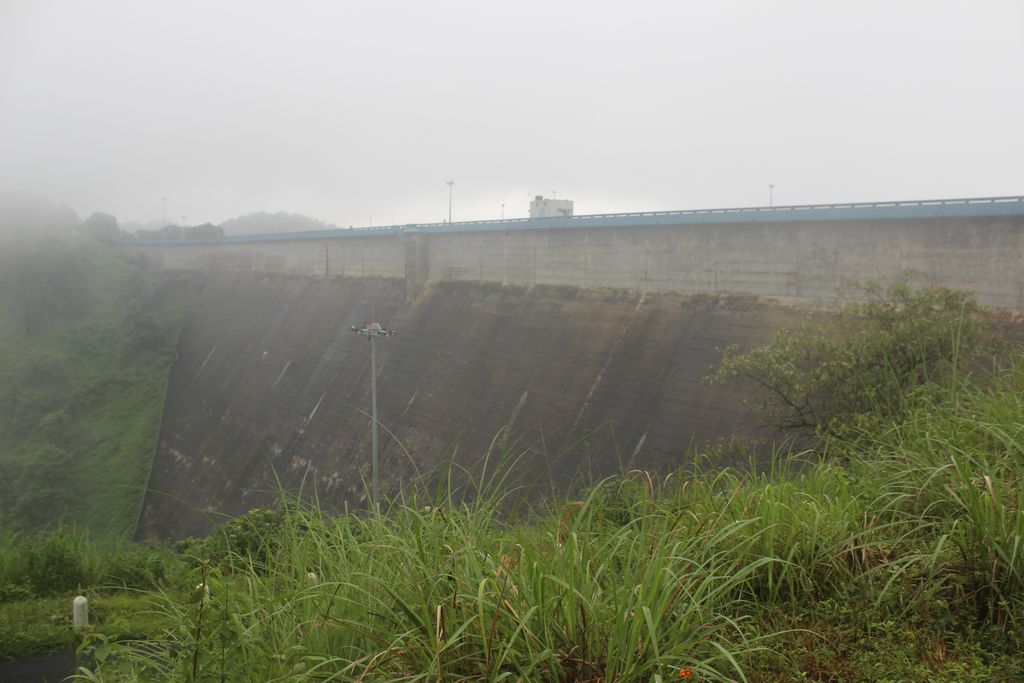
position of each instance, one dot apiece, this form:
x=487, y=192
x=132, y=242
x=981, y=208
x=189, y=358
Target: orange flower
x=686, y=673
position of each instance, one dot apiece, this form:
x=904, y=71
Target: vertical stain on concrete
x=284, y=370
x=409, y=404
x=515, y=413
x=505, y=281
x=593, y=388
x=640, y=301
x=315, y=408
x=636, y=451
x=208, y=356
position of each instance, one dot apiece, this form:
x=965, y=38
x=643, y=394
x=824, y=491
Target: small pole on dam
x=451, y=184
x=373, y=330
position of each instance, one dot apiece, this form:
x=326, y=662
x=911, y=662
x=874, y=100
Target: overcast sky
x=340, y=110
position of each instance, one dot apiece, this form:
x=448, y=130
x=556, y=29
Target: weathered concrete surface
x=271, y=383
x=812, y=261
x=806, y=260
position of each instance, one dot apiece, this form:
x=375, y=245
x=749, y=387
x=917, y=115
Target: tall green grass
x=915, y=529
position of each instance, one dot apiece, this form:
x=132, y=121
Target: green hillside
x=86, y=340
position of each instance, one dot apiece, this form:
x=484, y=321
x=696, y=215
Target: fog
x=343, y=111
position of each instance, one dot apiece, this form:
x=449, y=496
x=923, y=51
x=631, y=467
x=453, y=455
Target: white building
x=550, y=208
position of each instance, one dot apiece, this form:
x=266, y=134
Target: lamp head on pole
x=370, y=328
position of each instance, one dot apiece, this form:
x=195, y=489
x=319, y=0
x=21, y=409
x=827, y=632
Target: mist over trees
x=24, y=216
x=44, y=279
x=103, y=226
x=258, y=223
x=40, y=275
x=263, y=223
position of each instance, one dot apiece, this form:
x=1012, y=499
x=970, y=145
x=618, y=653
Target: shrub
x=867, y=360
x=255, y=536
x=140, y=567
x=52, y=562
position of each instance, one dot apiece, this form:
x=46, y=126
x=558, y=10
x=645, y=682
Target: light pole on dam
x=451, y=184
x=372, y=330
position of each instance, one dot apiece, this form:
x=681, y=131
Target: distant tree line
x=262, y=223
x=259, y=223
x=23, y=217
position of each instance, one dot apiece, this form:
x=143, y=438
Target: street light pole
x=372, y=330
x=163, y=212
x=771, y=195
x=373, y=420
x=503, y=212
x=451, y=183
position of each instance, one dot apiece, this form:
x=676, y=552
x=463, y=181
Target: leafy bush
x=136, y=566
x=50, y=563
x=868, y=360
x=254, y=537
x=66, y=559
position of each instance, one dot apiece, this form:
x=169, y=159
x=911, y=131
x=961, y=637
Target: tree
x=206, y=231
x=103, y=226
x=27, y=216
x=45, y=278
x=261, y=223
x=863, y=361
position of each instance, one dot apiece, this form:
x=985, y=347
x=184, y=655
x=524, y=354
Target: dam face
x=271, y=387
x=582, y=341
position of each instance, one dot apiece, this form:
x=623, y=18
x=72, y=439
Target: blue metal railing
x=925, y=208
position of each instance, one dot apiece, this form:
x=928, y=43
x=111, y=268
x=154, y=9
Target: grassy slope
x=85, y=392
x=898, y=559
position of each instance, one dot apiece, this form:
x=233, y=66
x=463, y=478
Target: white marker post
x=79, y=613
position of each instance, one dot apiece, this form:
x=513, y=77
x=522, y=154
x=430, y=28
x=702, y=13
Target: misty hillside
x=263, y=223
x=23, y=215
x=87, y=339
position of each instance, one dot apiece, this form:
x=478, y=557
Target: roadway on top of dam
x=932, y=208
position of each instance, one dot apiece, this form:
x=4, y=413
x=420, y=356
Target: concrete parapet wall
x=377, y=256
x=784, y=260
x=813, y=260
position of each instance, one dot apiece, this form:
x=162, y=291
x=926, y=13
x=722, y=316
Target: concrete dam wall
x=271, y=386
x=584, y=339
x=809, y=253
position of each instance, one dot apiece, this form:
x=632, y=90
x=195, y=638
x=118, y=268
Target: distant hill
x=262, y=223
